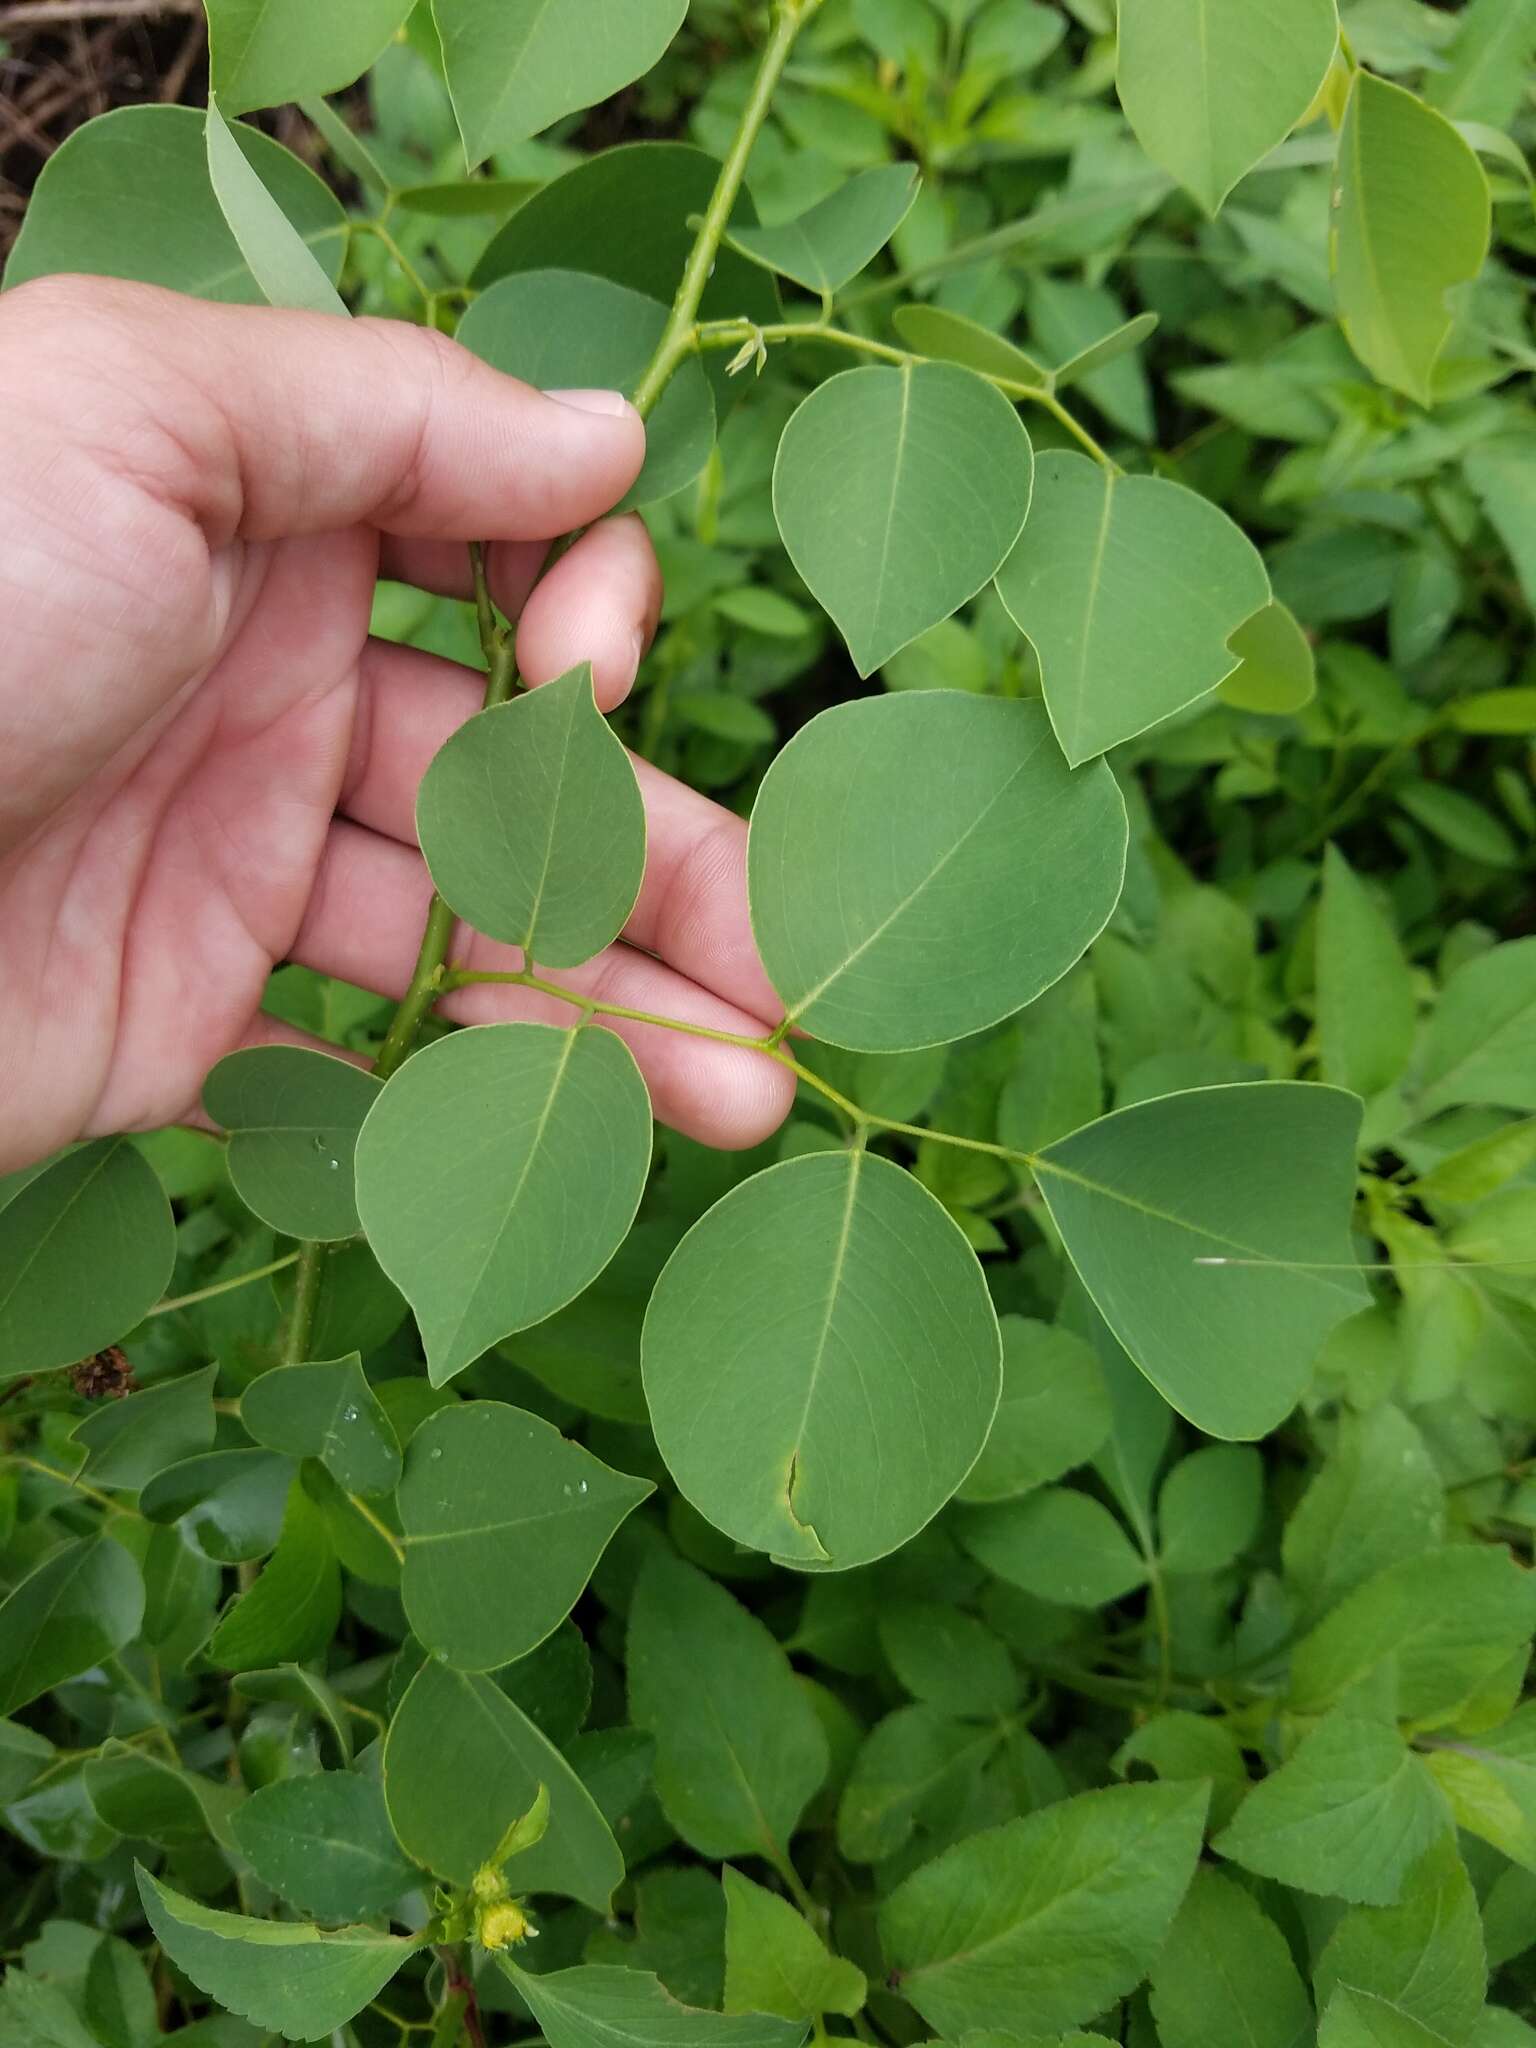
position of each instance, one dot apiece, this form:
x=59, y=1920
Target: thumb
x=276, y=423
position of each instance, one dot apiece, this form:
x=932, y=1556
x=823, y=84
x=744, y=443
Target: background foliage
x=1181, y=1699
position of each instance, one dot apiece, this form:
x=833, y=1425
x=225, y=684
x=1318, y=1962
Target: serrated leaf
x=1347, y=1815
x=325, y=1410
x=776, y=1962
x=80, y=1605
x=1378, y=1497
x=1411, y=219
x=739, y=1748
x=877, y=494
x=262, y=52
x=462, y=1762
x=913, y=1766
x=1130, y=589
x=1054, y=1413
x=531, y=822
x=293, y=1117
x=291, y=1612
x=1490, y=1780
x=1041, y=1923
x=323, y=1843
x=129, y=195
x=275, y=253
x=504, y=1521
x=99, y=1210
x=887, y=925
x=947, y=1658
x=563, y=329
x=1226, y=1975
x=1058, y=1544
x=597, y=2006
x=128, y=1442
x=833, y=240
x=515, y=67
x=821, y=1360
x=294, y=1979
x=1209, y=1507
x=498, y=1173
x=1422, y=1959
x=1481, y=1042
x=1211, y=86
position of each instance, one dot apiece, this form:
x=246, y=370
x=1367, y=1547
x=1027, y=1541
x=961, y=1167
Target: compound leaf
x=497, y=1175
x=879, y=497
x=531, y=822
x=921, y=865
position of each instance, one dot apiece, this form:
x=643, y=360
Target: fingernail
x=613, y=403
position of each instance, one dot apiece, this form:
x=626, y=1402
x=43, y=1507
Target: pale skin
x=208, y=767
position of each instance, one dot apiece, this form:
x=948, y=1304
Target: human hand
x=208, y=765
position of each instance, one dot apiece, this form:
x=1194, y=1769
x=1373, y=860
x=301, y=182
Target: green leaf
x=597, y=2006
x=229, y=1503
x=119, y=1999
x=1353, y=2019
x=1500, y=475
x=1490, y=1780
x=913, y=1768
x=1378, y=1497
x=497, y=1175
x=1411, y=219
x=98, y=1210
x=462, y=1762
x=951, y=338
x=80, y=1605
x=141, y=1796
x=1347, y=1815
x=1277, y=671
x=1179, y=1745
x=1058, y=1544
x=1366, y=1009
x=276, y=254
x=1211, y=1228
x=290, y=1685
x=1449, y=1618
x=834, y=239
x=291, y=1612
x=1482, y=75
x=739, y=1747
x=504, y=1521
x=1058, y=1083
x=531, y=821
x=948, y=1659
x=1053, y=1416
x=1422, y=1959
x=821, y=1360
x=1211, y=86
x=323, y=1843
x=525, y=1833
x=282, y=1975
x=1130, y=589
x=776, y=1962
x=328, y=1411
x=129, y=195
x=1041, y=1923
x=39, y=2015
x=558, y=328
x=878, y=496
x=262, y=52
x=1481, y=1042
x=515, y=67
x=1458, y=821
x=23, y=1754
x=888, y=923
x=1099, y=354
x=128, y=1442
x=1209, y=1508
x=1226, y=1975
x=293, y=1117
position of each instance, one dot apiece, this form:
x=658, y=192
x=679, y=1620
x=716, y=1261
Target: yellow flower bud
x=501, y=1926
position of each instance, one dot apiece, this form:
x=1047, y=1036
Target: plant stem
x=732, y=333
x=306, y=1299
x=460, y=2002
x=677, y=340
x=175, y=1301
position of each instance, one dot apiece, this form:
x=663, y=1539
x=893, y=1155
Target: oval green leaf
x=922, y=865
x=531, y=822
x=129, y=195
x=951, y=338
x=898, y=493
x=293, y=1117
x=561, y=329
x=821, y=1360
x=328, y=1411
x=504, y=1521
x=97, y=1211
x=1212, y=1230
x=323, y=1843
x=497, y=1175
x=1130, y=589
x=1059, y=1544
x=263, y=52
x=80, y=1605
x=833, y=240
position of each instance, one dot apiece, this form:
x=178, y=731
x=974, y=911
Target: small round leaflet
x=821, y=1360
